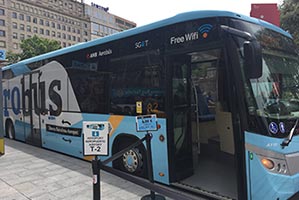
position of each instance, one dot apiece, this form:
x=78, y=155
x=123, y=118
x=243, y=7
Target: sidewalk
x=28, y=172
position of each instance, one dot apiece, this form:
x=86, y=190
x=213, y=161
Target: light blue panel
x=159, y=149
x=272, y=144
x=263, y=184
x=58, y=142
x=19, y=130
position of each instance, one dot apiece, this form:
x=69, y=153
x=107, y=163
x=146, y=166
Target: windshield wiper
x=287, y=141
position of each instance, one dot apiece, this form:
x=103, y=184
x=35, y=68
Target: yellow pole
x=1, y=146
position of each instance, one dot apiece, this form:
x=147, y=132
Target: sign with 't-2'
x=96, y=138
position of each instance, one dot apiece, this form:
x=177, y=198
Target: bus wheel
x=10, y=130
x=133, y=161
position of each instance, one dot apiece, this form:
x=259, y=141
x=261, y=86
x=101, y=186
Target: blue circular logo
x=281, y=127
x=273, y=127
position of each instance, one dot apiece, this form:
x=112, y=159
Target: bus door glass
x=181, y=137
x=202, y=124
x=31, y=108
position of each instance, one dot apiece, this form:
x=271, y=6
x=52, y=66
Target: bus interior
x=214, y=170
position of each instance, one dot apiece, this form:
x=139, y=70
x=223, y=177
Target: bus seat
x=225, y=129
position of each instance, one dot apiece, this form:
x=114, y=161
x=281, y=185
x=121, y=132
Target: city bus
x=223, y=87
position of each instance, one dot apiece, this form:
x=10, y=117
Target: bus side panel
x=12, y=106
x=60, y=131
x=127, y=125
x=263, y=183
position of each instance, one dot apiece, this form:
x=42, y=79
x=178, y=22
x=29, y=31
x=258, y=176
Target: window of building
x=64, y=44
x=28, y=18
x=22, y=37
x=63, y=35
x=2, y=33
x=47, y=23
x=21, y=17
x=69, y=37
x=74, y=38
x=14, y=25
x=69, y=29
x=2, y=12
x=53, y=34
x=58, y=26
x=28, y=28
x=15, y=35
x=15, y=45
x=78, y=31
x=85, y=33
x=63, y=27
x=78, y=39
x=2, y=22
x=34, y=20
x=2, y=43
x=41, y=31
x=53, y=25
x=47, y=32
x=29, y=36
x=35, y=30
x=22, y=27
x=14, y=15
x=41, y=21
x=58, y=34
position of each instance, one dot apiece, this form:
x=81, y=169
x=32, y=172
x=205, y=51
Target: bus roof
x=176, y=19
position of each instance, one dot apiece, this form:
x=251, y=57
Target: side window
x=138, y=78
x=7, y=74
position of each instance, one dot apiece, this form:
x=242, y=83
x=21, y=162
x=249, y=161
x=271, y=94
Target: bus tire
x=133, y=161
x=10, y=130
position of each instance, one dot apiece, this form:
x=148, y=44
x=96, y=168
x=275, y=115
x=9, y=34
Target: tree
x=289, y=17
x=33, y=46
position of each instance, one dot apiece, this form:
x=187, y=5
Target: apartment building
x=67, y=21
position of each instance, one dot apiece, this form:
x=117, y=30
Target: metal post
x=96, y=178
x=1, y=121
x=152, y=195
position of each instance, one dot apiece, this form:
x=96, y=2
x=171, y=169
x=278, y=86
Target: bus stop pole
x=96, y=178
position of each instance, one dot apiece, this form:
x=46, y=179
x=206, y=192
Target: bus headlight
x=275, y=165
x=269, y=164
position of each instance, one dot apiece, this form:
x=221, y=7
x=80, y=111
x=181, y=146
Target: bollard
x=96, y=178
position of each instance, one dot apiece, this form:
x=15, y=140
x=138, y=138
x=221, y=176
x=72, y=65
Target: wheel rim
x=132, y=160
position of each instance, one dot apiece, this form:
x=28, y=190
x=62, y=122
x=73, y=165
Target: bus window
x=138, y=78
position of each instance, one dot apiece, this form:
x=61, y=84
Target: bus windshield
x=276, y=92
x=273, y=98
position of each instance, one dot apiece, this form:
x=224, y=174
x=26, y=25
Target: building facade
x=67, y=21
x=104, y=23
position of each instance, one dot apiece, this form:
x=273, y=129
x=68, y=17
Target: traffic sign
x=2, y=54
x=96, y=139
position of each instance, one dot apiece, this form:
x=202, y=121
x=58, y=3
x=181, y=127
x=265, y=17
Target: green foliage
x=289, y=18
x=33, y=46
x=12, y=57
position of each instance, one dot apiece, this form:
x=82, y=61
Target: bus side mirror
x=253, y=59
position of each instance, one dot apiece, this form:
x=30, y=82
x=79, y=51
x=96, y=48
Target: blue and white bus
x=224, y=88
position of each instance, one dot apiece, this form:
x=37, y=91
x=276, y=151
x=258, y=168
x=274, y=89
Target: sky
x=145, y=12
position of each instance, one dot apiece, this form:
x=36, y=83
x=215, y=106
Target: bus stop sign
x=96, y=139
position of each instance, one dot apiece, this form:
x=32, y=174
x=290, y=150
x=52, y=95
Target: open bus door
x=202, y=136
x=32, y=107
